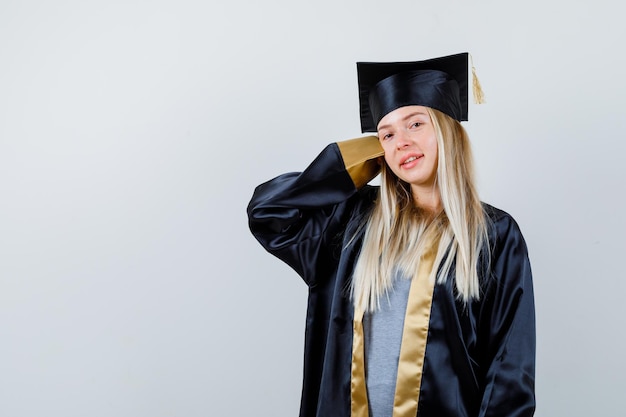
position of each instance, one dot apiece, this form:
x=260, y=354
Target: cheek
x=433, y=143
x=389, y=161
x=387, y=149
x=430, y=146
x=391, y=166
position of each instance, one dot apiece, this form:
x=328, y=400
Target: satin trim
x=360, y=158
x=414, y=338
x=359, y=406
x=412, y=350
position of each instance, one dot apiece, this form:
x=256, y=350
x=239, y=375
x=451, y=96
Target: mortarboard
x=439, y=83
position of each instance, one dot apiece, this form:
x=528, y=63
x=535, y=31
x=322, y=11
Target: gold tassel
x=479, y=95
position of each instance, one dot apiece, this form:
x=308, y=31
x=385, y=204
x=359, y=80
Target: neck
x=428, y=200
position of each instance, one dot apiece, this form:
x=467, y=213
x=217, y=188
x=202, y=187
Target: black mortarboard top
x=439, y=83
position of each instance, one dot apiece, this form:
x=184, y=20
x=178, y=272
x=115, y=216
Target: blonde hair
x=397, y=233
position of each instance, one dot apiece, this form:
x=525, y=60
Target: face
x=408, y=138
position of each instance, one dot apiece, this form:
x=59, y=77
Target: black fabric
x=480, y=358
x=433, y=89
x=439, y=83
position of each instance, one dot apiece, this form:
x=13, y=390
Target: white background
x=132, y=134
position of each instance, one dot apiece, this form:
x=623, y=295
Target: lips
x=410, y=159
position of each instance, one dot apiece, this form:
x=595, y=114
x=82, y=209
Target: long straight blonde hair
x=397, y=233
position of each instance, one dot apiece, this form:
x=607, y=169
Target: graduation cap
x=439, y=83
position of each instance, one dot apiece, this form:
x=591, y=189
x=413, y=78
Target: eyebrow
x=404, y=119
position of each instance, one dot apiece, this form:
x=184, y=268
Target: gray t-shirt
x=382, y=332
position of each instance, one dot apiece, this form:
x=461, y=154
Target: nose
x=402, y=140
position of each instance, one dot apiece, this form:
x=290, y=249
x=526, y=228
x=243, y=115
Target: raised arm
x=296, y=216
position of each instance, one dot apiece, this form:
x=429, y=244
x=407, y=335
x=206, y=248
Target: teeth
x=409, y=160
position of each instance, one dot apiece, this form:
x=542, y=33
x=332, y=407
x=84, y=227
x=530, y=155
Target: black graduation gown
x=479, y=358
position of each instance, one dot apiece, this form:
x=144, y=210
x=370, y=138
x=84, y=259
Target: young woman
x=420, y=296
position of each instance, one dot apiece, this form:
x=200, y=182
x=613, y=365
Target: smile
x=409, y=160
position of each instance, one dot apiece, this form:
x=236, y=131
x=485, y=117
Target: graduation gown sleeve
x=302, y=218
x=507, y=325
x=297, y=215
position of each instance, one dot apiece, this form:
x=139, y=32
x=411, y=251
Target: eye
x=387, y=136
x=416, y=124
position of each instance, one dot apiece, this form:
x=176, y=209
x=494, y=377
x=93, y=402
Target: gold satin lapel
x=358, y=403
x=414, y=337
